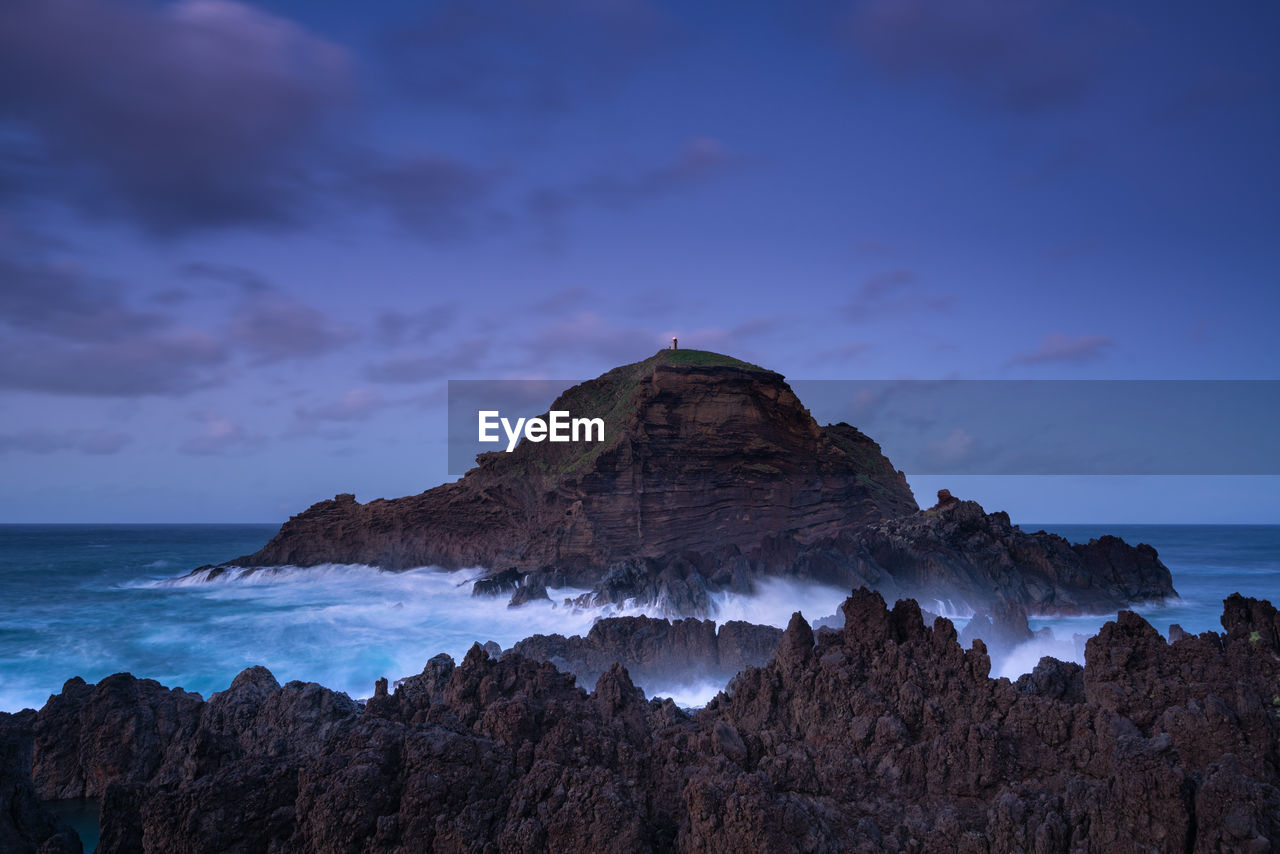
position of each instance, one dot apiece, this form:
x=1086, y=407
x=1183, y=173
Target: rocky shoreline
x=884, y=735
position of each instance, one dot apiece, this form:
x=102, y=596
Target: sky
x=244, y=246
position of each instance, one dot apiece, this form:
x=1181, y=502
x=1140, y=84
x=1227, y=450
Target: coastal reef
x=883, y=735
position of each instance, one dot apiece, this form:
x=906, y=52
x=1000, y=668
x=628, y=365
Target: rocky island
x=713, y=475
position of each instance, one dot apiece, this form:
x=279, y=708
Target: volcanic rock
x=884, y=736
x=657, y=653
x=711, y=476
x=702, y=452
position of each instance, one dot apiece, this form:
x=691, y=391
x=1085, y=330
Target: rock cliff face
x=701, y=452
x=883, y=736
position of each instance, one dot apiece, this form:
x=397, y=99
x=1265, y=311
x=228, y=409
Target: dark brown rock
x=959, y=552
x=657, y=653
x=712, y=475
x=884, y=736
x=702, y=453
x=26, y=825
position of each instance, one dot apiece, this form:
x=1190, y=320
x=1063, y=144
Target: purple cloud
x=1025, y=55
x=894, y=291
x=701, y=158
x=97, y=442
x=431, y=196
x=219, y=435
x=417, y=368
x=275, y=327
x=183, y=116
x=415, y=327
x=1059, y=347
x=357, y=404
x=537, y=55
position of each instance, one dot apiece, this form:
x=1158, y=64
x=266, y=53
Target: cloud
x=68, y=333
x=357, y=404
x=415, y=327
x=561, y=301
x=894, y=291
x=60, y=301
x=219, y=435
x=174, y=362
x=1020, y=55
x=586, y=333
x=249, y=281
x=849, y=350
x=192, y=115
x=1217, y=89
x=701, y=160
x=943, y=454
x=275, y=327
x=1059, y=347
x=432, y=196
x=418, y=367
x=96, y=442
x=540, y=56
x=65, y=332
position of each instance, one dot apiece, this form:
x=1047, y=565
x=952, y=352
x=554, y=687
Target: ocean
x=92, y=600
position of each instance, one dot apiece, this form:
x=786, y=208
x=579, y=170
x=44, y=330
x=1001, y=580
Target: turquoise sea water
x=92, y=600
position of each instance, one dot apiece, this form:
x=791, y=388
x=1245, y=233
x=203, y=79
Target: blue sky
x=244, y=246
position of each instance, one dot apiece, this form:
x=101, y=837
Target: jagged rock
x=26, y=826
x=958, y=551
x=884, y=736
x=656, y=652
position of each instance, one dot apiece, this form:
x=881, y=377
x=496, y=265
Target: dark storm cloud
x=1059, y=347
x=197, y=114
x=1022, y=55
x=532, y=55
x=97, y=442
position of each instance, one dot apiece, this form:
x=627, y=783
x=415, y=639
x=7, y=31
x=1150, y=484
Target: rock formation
x=701, y=452
x=712, y=475
x=657, y=653
x=957, y=551
x=883, y=736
